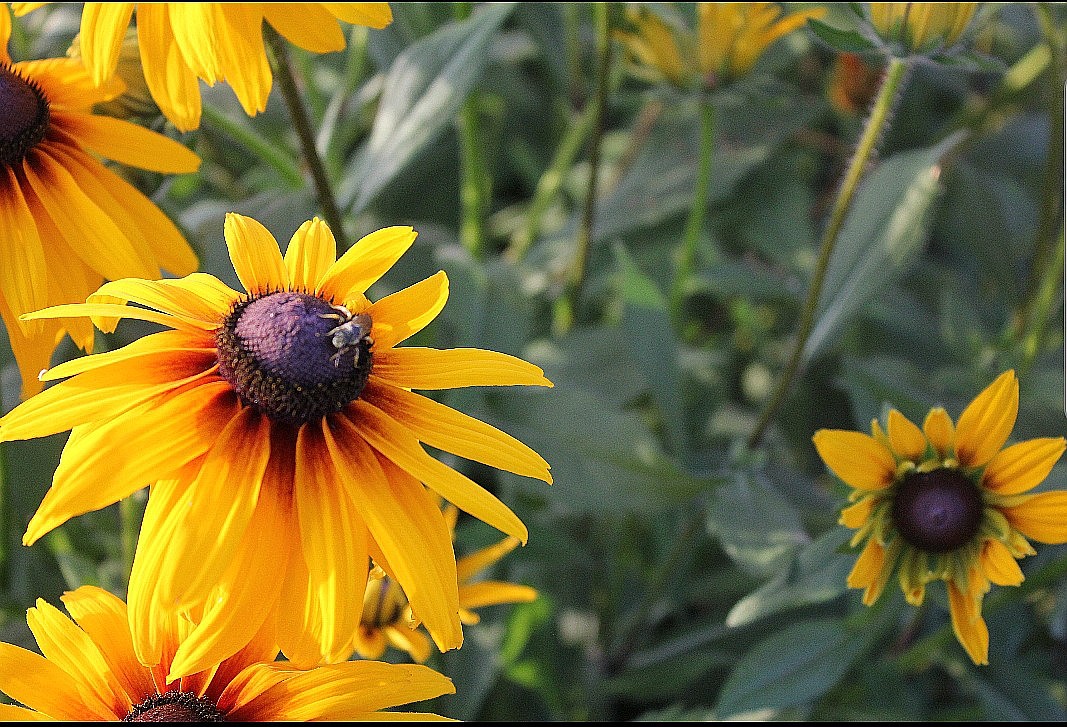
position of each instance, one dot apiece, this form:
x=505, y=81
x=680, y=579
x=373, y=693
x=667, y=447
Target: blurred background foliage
x=682, y=574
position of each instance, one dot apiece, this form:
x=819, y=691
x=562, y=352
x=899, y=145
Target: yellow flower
x=181, y=42
x=947, y=503
x=89, y=673
x=67, y=222
x=922, y=27
x=729, y=39
x=388, y=619
x=282, y=438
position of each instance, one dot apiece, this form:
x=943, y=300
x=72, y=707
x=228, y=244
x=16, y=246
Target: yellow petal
x=365, y=262
x=198, y=35
x=1041, y=517
x=32, y=353
x=967, y=623
x=171, y=81
x=413, y=641
x=905, y=438
x=103, y=27
x=31, y=679
x=255, y=255
x=1000, y=565
x=10, y=713
x=307, y=25
x=372, y=15
x=408, y=527
x=128, y=143
x=855, y=516
x=310, y=254
x=494, y=593
x=987, y=421
x=470, y=565
x=868, y=569
x=168, y=296
x=398, y=445
x=431, y=368
x=404, y=313
x=23, y=273
x=940, y=432
x=242, y=58
x=175, y=343
x=857, y=459
x=1023, y=466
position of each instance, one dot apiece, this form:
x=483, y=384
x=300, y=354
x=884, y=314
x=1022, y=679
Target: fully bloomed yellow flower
x=89, y=672
x=922, y=27
x=948, y=503
x=729, y=39
x=67, y=222
x=388, y=619
x=283, y=440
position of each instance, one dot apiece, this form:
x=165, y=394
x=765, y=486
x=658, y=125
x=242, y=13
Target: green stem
x=129, y=523
x=302, y=124
x=475, y=193
x=255, y=143
x=881, y=112
x=567, y=305
x=697, y=210
x=551, y=181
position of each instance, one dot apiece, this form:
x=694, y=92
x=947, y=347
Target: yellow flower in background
x=283, y=440
x=922, y=27
x=729, y=39
x=947, y=502
x=388, y=619
x=67, y=222
x=89, y=672
x=183, y=42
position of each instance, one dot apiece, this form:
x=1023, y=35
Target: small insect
x=347, y=337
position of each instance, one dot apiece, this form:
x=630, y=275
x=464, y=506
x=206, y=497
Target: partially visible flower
x=183, y=42
x=729, y=39
x=388, y=619
x=136, y=101
x=283, y=440
x=852, y=83
x=67, y=222
x=948, y=503
x=922, y=27
x=89, y=673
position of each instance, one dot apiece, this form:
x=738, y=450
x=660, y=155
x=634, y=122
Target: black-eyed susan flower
x=388, y=619
x=89, y=672
x=948, y=503
x=67, y=222
x=922, y=27
x=283, y=440
x=183, y=42
x=729, y=39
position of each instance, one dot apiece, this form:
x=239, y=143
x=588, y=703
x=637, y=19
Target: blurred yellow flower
x=947, y=503
x=729, y=39
x=89, y=673
x=922, y=27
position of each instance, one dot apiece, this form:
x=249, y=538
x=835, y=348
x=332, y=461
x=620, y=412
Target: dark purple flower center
x=24, y=115
x=938, y=511
x=175, y=707
x=294, y=356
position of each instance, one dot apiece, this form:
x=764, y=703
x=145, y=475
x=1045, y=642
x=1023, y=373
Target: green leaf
x=846, y=41
x=424, y=90
x=881, y=237
x=815, y=575
x=646, y=324
x=794, y=665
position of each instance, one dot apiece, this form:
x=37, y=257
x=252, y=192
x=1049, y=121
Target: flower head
x=283, y=440
x=67, y=222
x=922, y=27
x=183, y=42
x=388, y=619
x=89, y=673
x=729, y=39
x=947, y=502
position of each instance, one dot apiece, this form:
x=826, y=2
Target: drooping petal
x=365, y=262
x=373, y=15
x=968, y=624
x=128, y=143
x=1023, y=466
x=307, y=25
x=987, y=421
x=470, y=565
x=23, y=273
x=197, y=34
x=242, y=57
x=310, y=254
x=999, y=565
x=103, y=26
x=32, y=353
x=255, y=255
x=869, y=572
x=857, y=458
x=414, y=367
x=905, y=438
x=445, y=428
x=493, y=593
x=171, y=81
x=1041, y=517
x=855, y=516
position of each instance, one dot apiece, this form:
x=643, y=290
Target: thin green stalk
x=697, y=211
x=881, y=112
x=475, y=194
x=567, y=305
x=283, y=70
x=255, y=143
x=551, y=181
x=1041, y=304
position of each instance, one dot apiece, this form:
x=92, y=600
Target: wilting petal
x=1000, y=565
x=967, y=623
